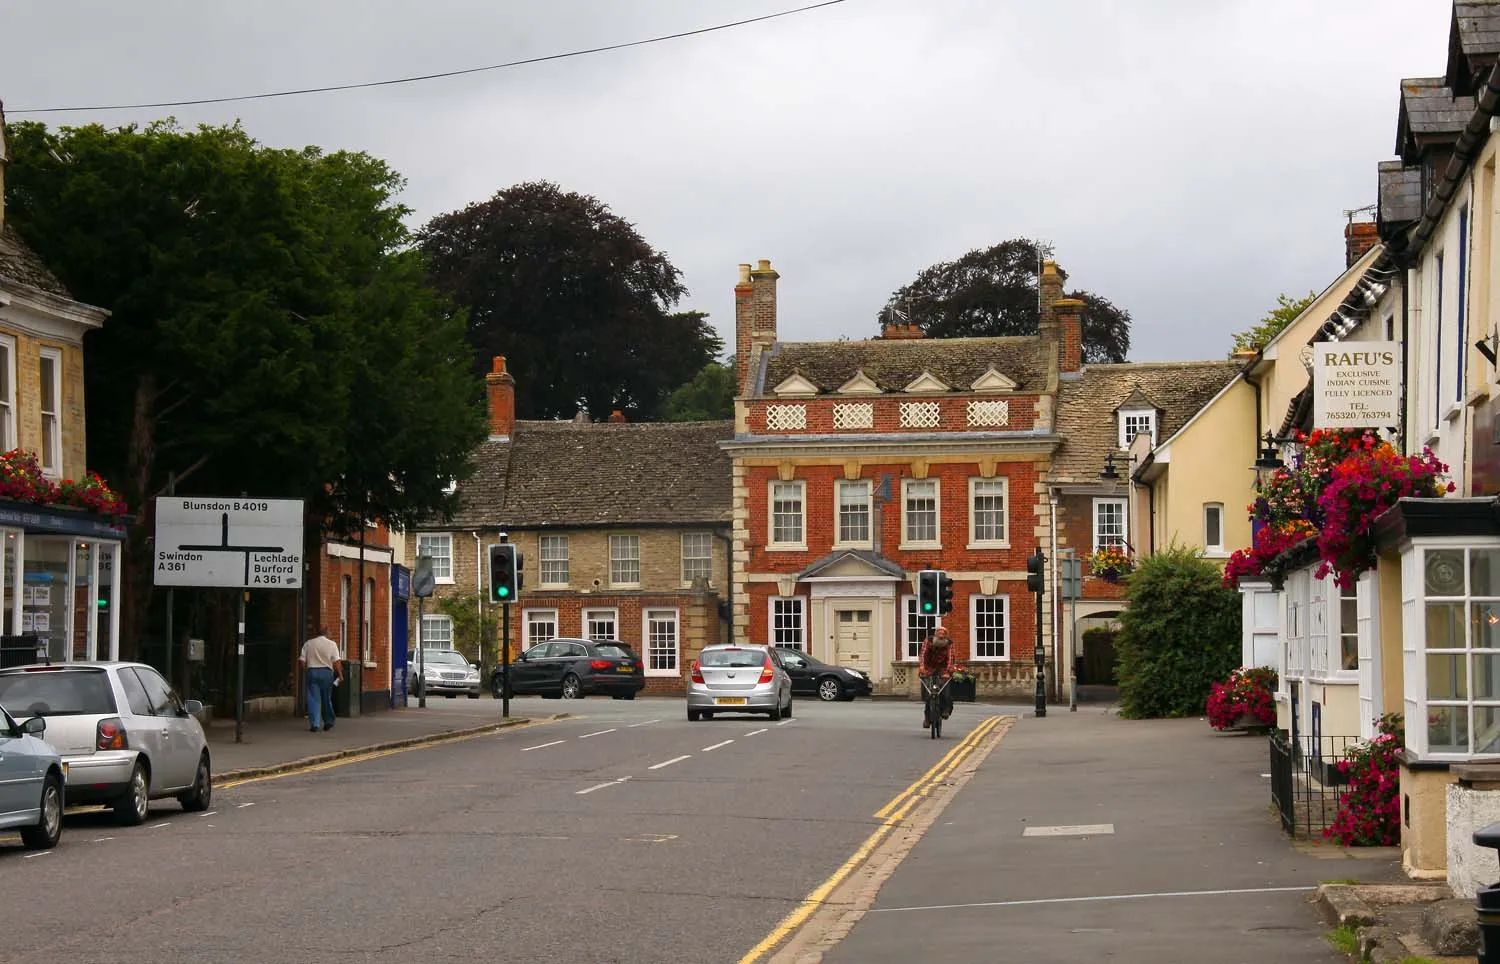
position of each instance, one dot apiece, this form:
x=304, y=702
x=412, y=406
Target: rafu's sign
x=1357, y=384
x=234, y=543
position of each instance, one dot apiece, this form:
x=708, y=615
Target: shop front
x=60, y=582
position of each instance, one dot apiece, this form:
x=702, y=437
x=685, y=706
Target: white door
x=853, y=638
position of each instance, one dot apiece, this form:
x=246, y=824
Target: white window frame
x=529, y=619
x=912, y=620
x=8, y=394
x=621, y=540
x=776, y=609
x=369, y=619
x=707, y=560
x=1213, y=548
x=51, y=436
x=974, y=541
x=974, y=646
x=559, y=553
x=907, y=542
x=1124, y=523
x=1126, y=415
x=800, y=545
x=346, y=593
x=442, y=566
x=610, y=615
x=424, y=631
x=648, y=654
x=839, y=542
x=1339, y=630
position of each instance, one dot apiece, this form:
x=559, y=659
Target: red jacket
x=935, y=659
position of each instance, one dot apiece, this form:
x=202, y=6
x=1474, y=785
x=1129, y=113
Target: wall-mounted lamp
x=1109, y=473
x=1270, y=459
x=1486, y=349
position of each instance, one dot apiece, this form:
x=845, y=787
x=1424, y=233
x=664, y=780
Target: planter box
x=963, y=692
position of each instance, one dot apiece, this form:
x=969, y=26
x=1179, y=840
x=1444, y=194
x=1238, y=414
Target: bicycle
x=934, y=703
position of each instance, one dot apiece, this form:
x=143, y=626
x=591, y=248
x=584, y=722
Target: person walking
x=320, y=661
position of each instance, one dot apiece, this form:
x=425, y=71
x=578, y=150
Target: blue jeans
x=320, y=697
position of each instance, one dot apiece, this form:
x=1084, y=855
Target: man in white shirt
x=320, y=660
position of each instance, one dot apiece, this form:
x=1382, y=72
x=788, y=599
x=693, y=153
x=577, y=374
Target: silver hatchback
x=739, y=679
x=123, y=734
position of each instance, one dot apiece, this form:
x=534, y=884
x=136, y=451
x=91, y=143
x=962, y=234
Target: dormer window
x=1137, y=423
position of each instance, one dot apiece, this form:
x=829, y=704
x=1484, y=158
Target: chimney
x=501, y=389
x=1070, y=328
x=1049, y=284
x=617, y=417
x=754, y=316
x=1359, y=237
x=901, y=331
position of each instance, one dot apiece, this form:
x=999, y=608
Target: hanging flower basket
x=93, y=494
x=1244, y=701
x=1110, y=564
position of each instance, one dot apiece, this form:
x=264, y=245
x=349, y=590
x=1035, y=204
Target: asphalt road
x=626, y=835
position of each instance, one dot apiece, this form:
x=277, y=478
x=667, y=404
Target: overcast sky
x=1188, y=159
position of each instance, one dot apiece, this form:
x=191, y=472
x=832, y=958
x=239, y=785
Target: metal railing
x=1306, y=784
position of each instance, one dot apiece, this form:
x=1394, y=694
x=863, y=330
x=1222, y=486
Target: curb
x=1343, y=906
x=291, y=766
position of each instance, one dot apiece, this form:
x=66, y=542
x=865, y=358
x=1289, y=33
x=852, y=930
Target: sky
x=1187, y=159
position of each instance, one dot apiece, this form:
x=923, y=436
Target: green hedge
x=1180, y=635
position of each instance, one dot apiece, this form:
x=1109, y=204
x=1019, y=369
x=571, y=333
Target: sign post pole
x=505, y=660
x=239, y=674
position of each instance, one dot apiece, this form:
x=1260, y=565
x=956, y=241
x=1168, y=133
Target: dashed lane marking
x=208, y=813
x=667, y=763
x=785, y=722
x=646, y=723
x=40, y=853
x=159, y=826
x=753, y=732
x=598, y=733
x=1079, y=830
x=244, y=805
x=717, y=745
x=541, y=746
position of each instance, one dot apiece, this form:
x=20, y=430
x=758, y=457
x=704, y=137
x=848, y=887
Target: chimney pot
x=617, y=417
x=764, y=264
x=744, y=274
x=497, y=364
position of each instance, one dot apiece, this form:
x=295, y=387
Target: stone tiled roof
x=1428, y=108
x=1478, y=23
x=1086, y=407
x=575, y=474
x=895, y=363
x=20, y=265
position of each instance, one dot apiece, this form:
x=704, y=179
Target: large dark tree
x=993, y=291
x=578, y=302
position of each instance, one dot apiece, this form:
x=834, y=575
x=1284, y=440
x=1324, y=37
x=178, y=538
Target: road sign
x=236, y=543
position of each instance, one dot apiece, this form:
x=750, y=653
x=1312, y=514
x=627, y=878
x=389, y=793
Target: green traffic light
x=503, y=592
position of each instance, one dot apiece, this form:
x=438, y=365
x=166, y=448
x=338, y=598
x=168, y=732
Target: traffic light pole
x=505, y=660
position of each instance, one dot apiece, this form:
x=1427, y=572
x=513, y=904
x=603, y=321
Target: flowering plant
x=1269, y=543
x=1370, y=811
x=21, y=478
x=1361, y=487
x=1109, y=563
x=1291, y=493
x=1246, y=693
x=962, y=674
x=91, y=493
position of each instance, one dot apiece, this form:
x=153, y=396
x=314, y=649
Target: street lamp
x=1110, y=473
x=1270, y=459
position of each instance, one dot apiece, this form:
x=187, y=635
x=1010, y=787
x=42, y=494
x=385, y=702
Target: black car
x=813, y=677
x=571, y=669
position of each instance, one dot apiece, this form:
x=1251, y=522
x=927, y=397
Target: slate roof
x=895, y=363
x=20, y=265
x=1429, y=109
x=1478, y=27
x=577, y=474
x=1086, y=407
x=1400, y=193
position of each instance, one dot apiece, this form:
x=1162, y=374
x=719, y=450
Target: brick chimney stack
x=893, y=332
x=1359, y=237
x=617, y=417
x=501, y=389
x=1070, y=328
x=1050, y=285
x=754, y=316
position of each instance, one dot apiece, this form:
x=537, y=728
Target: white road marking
x=208, y=814
x=647, y=723
x=159, y=826
x=244, y=805
x=1265, y=776
x=667, y=763
x=717, y=745
x=42, y=853
x=100, y=839
x=597, y=733
x=785, y=722
x=1081, y=830
x=600, y=786
x=542, y=746
x=1104, y=897
x=753, y=732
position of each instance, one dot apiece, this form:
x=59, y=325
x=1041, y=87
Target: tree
x=476, y=626
x=993, y=291
x=1286, y=311
x=578, y=302
x=709, y=396
x=269, y=333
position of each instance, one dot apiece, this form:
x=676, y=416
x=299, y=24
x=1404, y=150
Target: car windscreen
x=732, y=658
x=58, y=693
x=446, y=657
x=613, y=652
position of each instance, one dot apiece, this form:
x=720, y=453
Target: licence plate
x=729, y=701
x=626, y=669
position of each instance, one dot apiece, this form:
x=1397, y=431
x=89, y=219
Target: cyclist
x=935, y=663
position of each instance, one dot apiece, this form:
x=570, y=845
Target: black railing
x=1306, y=783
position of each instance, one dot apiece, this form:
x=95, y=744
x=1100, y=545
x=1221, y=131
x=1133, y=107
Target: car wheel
x=134, y=807
x=572, y=689
x=786, y=711
x=201, y=796
x=451, y=695
x=48, y=829
x=830, y=689
x=628, y=696
x=473, y=696
x=775, y=712
x=694, y=716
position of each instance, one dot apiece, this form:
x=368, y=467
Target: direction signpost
x=231, y=544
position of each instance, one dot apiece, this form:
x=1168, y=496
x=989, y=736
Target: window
x=439, y=546
x=1349, y=628
x=987, y=502
x=51, y=402
x=920, y=505
x=786, y=515
x=789, y=622
x=135, y=693
x=553, y=553
x=1462, y=351
x=697, y=556
x=1213, y=527
x=1461, y=612
x=7, y=392
x=624, y=560
x=369, y=605
x=854, y=513
x=437, y=632
x=1137, y=423
x=1109, y=523
x=915, y=630
x=989, y=615
x=661, y=642
x=163, y=700
x=346, y=593
x=600, y=624
x=540, y=626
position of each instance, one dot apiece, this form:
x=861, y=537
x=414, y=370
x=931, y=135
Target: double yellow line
x=890, y=816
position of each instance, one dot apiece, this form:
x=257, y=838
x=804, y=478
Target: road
x=624, y=835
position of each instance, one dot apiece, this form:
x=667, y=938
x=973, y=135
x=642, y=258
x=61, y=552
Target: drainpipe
x=1405, y=361
x=479, y=595
x=1054, y=609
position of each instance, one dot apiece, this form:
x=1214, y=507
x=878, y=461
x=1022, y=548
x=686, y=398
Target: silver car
x=31, y=783
x=447, y=672
x=124, y=735
x=739, y=679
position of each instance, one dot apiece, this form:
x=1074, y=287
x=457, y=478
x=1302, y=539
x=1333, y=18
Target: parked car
x=739, y=679
x=124, y=736
x=571, y=669
x=31, y=782
x=446, y=672
x=813, y=677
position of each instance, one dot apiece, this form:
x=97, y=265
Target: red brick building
x=361, y=627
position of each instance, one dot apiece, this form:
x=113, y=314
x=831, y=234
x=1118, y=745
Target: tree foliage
x=709, y=396
x=1180, y=635
x=992, y=292
x=578, y=302
x=1260, y=334
x=475, y=635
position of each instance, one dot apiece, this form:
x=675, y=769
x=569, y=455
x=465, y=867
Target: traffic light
x=505, y=577
x=927, y=592
x=1035, y=567
x=945, y=593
